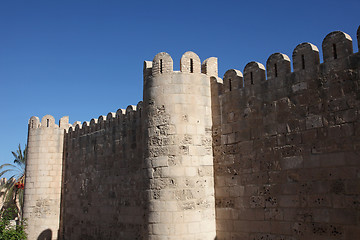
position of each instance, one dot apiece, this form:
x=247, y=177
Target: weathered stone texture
x=178, y=153
x=103, y=195
x=243, y=157
x=287, y=166
x=44, y=176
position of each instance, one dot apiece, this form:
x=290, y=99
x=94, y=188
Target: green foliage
x=13, y=189
x=8, y=231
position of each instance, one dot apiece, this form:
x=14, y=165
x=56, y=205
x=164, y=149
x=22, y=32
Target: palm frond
x=20, y=156
x=10, y=191
x=5, y=171
x=8, y=184
x=7, y=165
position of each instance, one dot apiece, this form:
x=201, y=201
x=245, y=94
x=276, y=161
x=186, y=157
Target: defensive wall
x=269, y=153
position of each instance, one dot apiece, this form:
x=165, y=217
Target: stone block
x=194, y=227
x=313, y=121
x=289, y=201
x=292, y=162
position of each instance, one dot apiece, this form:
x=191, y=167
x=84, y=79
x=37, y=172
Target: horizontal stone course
x=243, y=157
x=297, y=176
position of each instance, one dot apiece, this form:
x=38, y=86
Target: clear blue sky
x=84, y=58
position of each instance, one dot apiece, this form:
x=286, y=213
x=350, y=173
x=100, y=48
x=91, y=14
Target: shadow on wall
x=45, y=235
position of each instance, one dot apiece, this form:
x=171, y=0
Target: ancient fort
x=264, y=154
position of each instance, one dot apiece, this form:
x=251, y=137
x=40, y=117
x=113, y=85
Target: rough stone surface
x=178, y=153
x=103, y=188
x=287, y=165
x=202, y=158
x=44, y=176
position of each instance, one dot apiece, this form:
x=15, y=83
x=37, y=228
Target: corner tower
x=43, y=176
x=178, y=148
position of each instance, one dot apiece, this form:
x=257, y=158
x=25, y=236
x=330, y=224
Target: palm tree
x=13, y=189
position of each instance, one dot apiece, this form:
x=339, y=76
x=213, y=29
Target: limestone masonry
x=267, y=154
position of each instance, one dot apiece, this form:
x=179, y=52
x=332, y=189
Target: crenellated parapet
x=233, y=79
x=210, y=67
x=190, y=62
x=336, y=48
x=254, y=74
x=204, y=157
x=131, y=116
x=48, y=121
x=277, y=66
x=336, y=45
x=283, y=139
x=162, y=64
x=305, y=56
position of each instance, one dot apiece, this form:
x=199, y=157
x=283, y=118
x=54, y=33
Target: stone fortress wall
x=103, y=180
x=286, y=147
x=261, y=155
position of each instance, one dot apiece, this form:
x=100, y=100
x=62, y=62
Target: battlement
x=48, y=121
x=131, y=115
x=336, y=48
x=270, y=152
x=189, y=63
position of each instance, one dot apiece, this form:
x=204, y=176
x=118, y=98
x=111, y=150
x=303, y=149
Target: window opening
x=251, y=78
x=47, y=122
x=229, y=84
x=334, y=51
x=303, y=61
x=161, y=66
x=32, y=123
x=276, y=72
x=191, y=65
